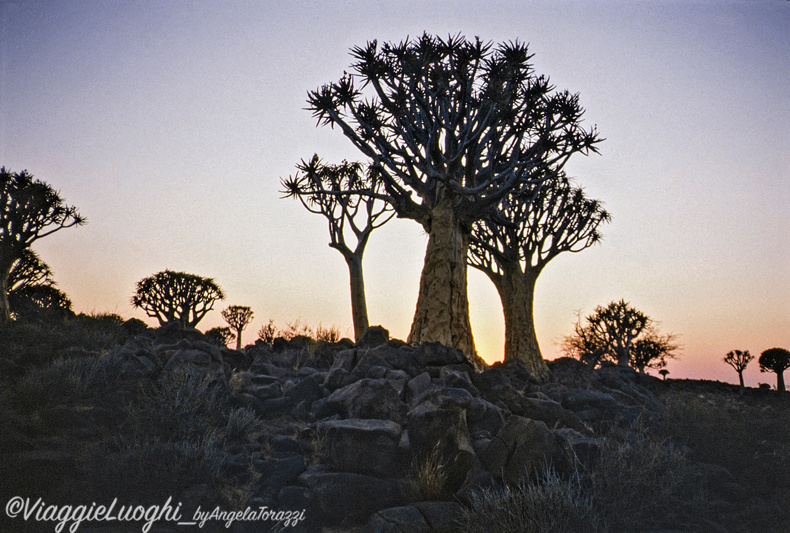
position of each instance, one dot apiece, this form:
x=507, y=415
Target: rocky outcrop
x=347, y=426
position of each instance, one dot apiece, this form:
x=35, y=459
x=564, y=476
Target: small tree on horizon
x=739, y=360
x=321, y=189
x=237, y=317
x=776, y=360
x=30, y=210
x=455, y=126
x=514, y=246
x=223, y=336
x=172, y=296
x=620, y=333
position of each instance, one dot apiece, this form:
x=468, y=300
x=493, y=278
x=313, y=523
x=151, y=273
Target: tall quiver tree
x=739, y=360
x=29, y=210
x=334, y=192
x=456, y=126
x=514, y=246
x=237, y=317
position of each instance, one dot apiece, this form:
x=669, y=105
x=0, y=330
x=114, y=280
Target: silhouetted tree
x=513, y=247
x=613, y=333
x=456, y=126
x=775, y=360
x=221, y=336
x=177, y=296
x=237, y=317
x=32, y=291
x=320, y=188
x=29, y=210
x=268, y=332
x=664, y=373
x=739, y=360
x=652, y=350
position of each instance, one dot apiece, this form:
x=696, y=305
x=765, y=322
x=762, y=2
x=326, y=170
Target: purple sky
x=169, y=124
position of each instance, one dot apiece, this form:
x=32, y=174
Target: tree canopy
x=739, y=360
x=621, y=333
x=30, y=210
x=237, y=317
x=775, y=360
x=177, y=296
x=455, y=126
x=328, y=190
x=513, y=246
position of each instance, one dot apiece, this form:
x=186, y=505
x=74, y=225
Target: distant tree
x=237, y=317
x=177, y=296
x=221, y=336
x=664, y=373
x=775, y=360
x=29, y=210
x=455, y=127
x=514, y=246
x=738, y=360
x=652, y=350
x=614, y=333
x=321, y=190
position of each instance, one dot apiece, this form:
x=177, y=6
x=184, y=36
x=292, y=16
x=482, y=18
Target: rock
x=338, y=378
x=374, y=336
x=361, y=446
x=416, y=386
x=586, y=449
x=482, y=415
x=306, y=390
x=278, y=473
x=521, y=447
x=341, y=497
x=582, y=399
x=369, y=398
x=441, y=517
x=345, y=359
x=407, y=519
x=389, y=357
x=436, y=354
x=186, y=356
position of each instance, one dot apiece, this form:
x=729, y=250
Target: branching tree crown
x=32, y=289
x=177, y=296
x=514, y=245
x=352, y=216
x=739, y=360
x=29, y=210
x=238, y=317
x=620, y=333
x=456, y=126
x=776, y=360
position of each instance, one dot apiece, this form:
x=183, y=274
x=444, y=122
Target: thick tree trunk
x=740, y=377
x=442, y=313
x=517, y=292
x=359, y=305
x=780, y=381
x=238, y=338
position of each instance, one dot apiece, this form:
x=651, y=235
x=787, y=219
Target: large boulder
x=360, y=446
x=520, y=448
x=369, y=398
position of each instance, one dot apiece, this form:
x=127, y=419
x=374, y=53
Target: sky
x=169, y=124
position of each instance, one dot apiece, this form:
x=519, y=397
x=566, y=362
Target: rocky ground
x=378, y=436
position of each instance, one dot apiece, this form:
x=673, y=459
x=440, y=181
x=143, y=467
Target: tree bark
x=740, y=377
x=5, y=309
x=517, y=293
x=780, y=381
x=442, y=313
x=238, y=338
x=359, y=305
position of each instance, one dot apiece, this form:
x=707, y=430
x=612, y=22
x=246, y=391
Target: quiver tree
x=620, y=333
x=31, y=288
x=739, y=360
x=513, y=247
x=333, y=191
x=775, y=360
x=29, y=210
x=456, y=126
x=177, y=296
x=237, y=317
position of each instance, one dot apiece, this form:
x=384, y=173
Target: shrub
x=428, y=476
x=549, y=503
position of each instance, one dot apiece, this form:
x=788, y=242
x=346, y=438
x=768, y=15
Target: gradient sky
x=170, y=123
